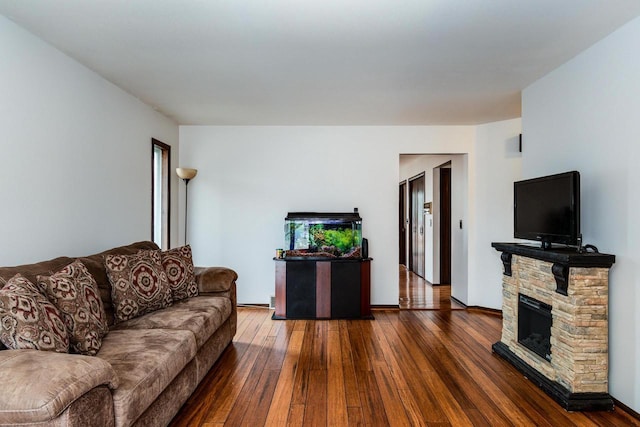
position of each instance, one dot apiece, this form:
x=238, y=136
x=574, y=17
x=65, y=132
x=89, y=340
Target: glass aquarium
x=323, y=235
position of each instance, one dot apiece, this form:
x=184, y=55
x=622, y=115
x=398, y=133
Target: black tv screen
x=547, y=209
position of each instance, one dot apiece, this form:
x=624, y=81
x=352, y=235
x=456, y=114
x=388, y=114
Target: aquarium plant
x=342, y=239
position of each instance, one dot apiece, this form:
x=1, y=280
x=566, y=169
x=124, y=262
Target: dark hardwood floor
x=405, y=368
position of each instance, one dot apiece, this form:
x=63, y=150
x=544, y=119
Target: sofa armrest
x=215, y=279
x=220, y=281
x=44, y=384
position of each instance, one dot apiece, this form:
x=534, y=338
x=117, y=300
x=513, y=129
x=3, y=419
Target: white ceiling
x=324, y=62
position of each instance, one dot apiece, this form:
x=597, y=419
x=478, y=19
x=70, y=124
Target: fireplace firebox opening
x=534, y=325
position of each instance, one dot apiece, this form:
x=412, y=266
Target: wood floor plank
x=359, y=353
x=220, y=380
x=356, y=419
x=394, y=407
x=371, y=342
x=256, y=411
x=436, y=397
x=257, y=379
x=315, y=411
x=612, y=419
x=348, y=368
x=237, y=378
x=414, y=359
x=319, y=351
x=373, y=411
x=301, y=380
x=411, y=404
x=296, y=416
x=279, y=410
x=336, y=394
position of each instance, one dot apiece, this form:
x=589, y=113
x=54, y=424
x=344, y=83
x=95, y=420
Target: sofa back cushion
x=32, y=271
x=94, y=263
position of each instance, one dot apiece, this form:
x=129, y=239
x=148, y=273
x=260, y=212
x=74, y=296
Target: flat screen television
x=547, y=209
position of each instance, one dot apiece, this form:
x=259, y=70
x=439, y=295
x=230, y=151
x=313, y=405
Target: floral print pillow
x=138, y=284
x=28, y=320
x=178, y=264
x=74, y=291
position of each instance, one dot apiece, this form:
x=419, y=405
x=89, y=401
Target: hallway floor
x=418, y=294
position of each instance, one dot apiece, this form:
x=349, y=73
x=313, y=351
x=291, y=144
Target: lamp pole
x=186, y=174
x=186, y=207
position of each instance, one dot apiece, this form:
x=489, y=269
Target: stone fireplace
x=555, y=322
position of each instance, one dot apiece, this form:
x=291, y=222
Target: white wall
x=459, y=236
x=75, y=155
x=584, y=116
x=498, y=163
x=250, y=177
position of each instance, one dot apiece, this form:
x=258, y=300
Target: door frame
x=416, y=216
x=402, y=223
x=444, y=224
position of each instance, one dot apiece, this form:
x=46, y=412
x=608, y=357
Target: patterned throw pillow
x=74, y=291
x=138, y=284
x=178, y=264
x=28, y=320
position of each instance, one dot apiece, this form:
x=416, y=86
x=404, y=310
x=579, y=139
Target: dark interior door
x=416, y=222
x=402, y=224
x=445, y=226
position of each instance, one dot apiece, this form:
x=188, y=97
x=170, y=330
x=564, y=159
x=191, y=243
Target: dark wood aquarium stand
x=323, y=289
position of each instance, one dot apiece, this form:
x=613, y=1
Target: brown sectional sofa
x=145, y=370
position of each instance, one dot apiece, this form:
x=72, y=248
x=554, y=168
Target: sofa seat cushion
x=38, y=386
x=201, y=315
x=145, y=361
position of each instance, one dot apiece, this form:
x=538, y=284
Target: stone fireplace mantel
x=576, y=286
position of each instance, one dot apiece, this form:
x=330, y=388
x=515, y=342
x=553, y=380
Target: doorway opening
x=432, y=200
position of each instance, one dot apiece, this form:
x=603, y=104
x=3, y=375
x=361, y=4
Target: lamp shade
x=186, y=173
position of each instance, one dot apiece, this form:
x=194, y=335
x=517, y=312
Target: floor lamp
x=186, y=174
